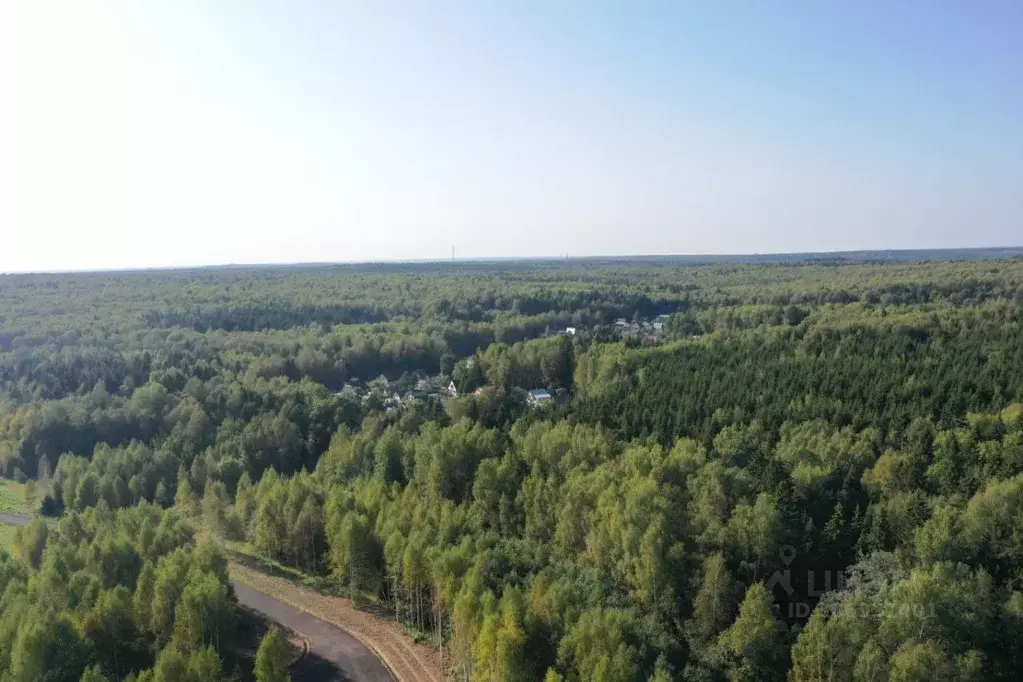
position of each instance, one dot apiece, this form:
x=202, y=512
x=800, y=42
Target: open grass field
x=16, y=498
x=7, y=537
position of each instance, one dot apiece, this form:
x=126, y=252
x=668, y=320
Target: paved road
x=14, y=520
x=333, y=653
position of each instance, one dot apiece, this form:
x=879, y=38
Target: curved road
x=334, y=655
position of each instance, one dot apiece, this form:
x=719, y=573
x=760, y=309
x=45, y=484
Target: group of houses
x=536, y=397
x=393, y=397
x=397, y=394
x=653, y=329
x=390, y=392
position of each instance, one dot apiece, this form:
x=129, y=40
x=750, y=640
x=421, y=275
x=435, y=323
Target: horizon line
x=694, y=258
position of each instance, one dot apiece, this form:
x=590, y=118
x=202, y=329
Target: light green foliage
x=30, y=541
x=204, y=614
x=754, y=529
x=272, y=658
x=354, y=557
x=499, y=652
x=446, y=459
x=927, y=662
x=111, y=628
x=630, y=539
x=185, y=498
x=595, y=648
x=715, y=602
x=948, y=603
x=755, y=642
x=831, y=417
x=7, y=535
x=93, y=674
x=49, y=648
x=106, y=594
x=171, y=666
x=205, y=666
x=819, y=453
x=17, y=498
x=836, y=649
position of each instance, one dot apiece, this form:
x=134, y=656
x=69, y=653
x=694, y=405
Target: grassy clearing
x=17, y=498
x=7, y=537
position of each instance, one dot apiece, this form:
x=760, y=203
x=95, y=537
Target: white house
x=452, y=389
x=570, y=331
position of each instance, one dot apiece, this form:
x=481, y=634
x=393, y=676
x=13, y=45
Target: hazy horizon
x=895, y=255
x=148, y=135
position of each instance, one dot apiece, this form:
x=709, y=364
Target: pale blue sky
x=191, y=132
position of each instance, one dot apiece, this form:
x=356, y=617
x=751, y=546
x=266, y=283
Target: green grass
x=14, y=498
x=244, y=553
x=7, y=537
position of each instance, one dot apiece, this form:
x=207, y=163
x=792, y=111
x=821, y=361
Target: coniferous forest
x=800, y=470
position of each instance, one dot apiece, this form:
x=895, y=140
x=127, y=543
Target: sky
x=139, y=133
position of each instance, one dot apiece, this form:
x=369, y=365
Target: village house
x=383, y=384
x=538, y=397
x=348, y=391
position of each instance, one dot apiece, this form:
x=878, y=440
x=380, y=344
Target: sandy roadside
x=407, y=661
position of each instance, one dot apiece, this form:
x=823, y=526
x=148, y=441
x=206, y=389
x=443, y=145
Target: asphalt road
x=333, y=653
x=14, y=520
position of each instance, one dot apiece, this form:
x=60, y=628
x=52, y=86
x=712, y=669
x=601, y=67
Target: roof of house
x=539, y=393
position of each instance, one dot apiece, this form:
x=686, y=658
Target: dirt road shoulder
x=407, y=661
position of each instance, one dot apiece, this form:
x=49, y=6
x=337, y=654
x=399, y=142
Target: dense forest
x=805, y=471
